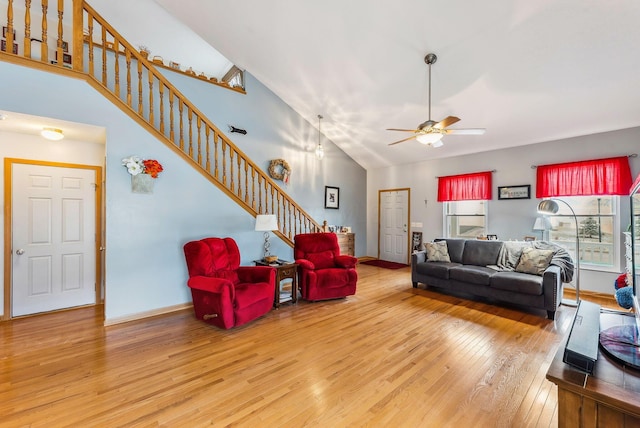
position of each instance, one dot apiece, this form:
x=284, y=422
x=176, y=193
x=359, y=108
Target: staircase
x=100, y=55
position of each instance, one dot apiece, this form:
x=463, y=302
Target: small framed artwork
x=66, y=58
x=331, y=197
x=65, y=46
x=3, y=47
x=492, y=237
x=4, y=32
x=515, y=192
x=416, y=241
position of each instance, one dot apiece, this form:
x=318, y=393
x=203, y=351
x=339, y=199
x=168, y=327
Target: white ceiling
x=527, y=71
x=32, y=125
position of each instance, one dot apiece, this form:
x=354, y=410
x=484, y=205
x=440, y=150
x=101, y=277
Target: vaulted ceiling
x=526, y=71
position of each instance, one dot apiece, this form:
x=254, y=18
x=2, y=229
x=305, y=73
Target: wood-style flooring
x=390, y=356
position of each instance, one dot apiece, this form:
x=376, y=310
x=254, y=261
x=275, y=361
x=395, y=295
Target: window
x=465, y=219
x=598, y=227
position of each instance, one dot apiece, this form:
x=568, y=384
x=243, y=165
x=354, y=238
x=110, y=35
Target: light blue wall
x=145, y=268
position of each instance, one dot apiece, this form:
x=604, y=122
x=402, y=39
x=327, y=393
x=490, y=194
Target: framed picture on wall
x=416, y=241
x=515, y=192
x=331, y=197
x=5, y=32
x=3, y=47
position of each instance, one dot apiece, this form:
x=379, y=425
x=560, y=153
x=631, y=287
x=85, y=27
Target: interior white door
x=53, y=229
x=394, y=222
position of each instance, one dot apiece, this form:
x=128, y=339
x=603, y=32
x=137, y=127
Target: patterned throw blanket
x=511, y=251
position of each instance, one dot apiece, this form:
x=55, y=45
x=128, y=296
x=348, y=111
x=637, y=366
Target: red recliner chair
x=323, y=272
x=224, y=293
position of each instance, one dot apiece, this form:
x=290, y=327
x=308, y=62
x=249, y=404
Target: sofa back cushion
x=455, y=247
x=481, y=253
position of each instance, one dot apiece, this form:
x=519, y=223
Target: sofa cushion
x=437, y=270
x=472, y=274
x=481, y=253
x=517, y=282
x=437, y=251
x=534, y=261
x=455, y=246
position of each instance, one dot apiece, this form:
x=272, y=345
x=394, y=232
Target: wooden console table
x=610, y=397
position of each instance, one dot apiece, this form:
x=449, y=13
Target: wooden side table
x=284, y=270
x=609, y=397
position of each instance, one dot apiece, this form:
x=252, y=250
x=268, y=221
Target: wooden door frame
x=408, y=189
x=8, y=230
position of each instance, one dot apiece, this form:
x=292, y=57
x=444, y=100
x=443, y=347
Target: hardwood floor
x=390, y=356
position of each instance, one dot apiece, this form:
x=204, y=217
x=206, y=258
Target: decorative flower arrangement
x=136, y=165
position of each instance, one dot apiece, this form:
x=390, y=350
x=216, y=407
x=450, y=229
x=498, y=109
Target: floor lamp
x=550, y=207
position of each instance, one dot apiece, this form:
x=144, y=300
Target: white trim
x=147, y=314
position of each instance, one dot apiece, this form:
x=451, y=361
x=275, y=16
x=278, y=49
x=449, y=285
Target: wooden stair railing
x=122, y=74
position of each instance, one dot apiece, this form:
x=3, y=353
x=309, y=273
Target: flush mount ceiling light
x=53, y=134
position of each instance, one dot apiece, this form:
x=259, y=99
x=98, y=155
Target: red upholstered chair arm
x=345, y=261
x=212, y=285
x=257, y=274
x=305, y=264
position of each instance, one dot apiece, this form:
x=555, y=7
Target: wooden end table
x=284, y=270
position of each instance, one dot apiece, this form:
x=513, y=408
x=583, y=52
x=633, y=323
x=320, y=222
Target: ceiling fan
x=431, y=132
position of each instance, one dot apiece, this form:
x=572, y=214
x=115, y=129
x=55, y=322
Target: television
x=623, y=342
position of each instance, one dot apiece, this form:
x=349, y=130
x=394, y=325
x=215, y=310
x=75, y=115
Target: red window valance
x=465, y=187
x=610, y=176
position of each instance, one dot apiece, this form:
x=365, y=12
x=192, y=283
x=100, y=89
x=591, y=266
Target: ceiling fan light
x=52, y=134
x=438, y=143
x=430, y=138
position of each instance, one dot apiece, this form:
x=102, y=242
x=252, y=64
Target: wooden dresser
x=347, y=243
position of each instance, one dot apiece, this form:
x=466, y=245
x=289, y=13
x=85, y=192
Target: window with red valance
x=610, y=176
x=465, y=187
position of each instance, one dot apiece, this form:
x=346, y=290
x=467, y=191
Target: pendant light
x=319, y=148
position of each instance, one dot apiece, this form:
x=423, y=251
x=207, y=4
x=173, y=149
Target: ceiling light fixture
x=53, y=134
x=431, y=138
x=319, y=148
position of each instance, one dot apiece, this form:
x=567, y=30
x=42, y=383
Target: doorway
x=393, y=225
x=53, y=236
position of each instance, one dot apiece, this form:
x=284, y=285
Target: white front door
x=394, y=222
x=54, y=238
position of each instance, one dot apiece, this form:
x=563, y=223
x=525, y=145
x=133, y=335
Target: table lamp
x=267, y=223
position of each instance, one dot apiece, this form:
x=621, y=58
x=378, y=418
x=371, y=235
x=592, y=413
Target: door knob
x=20, y=251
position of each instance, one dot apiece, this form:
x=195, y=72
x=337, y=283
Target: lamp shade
x=548, y=206
x=542, y=223
x=266, y=222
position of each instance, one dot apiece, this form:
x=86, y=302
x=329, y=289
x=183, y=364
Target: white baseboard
x=147, y=314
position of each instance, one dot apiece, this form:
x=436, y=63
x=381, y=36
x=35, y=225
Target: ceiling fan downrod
x=431, y=58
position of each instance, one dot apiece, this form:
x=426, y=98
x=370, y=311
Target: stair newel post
x=77, y=38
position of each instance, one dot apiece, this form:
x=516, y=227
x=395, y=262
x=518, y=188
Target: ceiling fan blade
x=402, y=141
x=447, y=121
x=403, y=130
x=469, y=131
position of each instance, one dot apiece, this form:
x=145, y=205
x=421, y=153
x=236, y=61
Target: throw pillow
x=437, y=251
x=534, y=261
